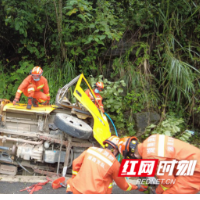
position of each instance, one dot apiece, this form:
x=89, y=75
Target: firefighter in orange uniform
x=95, y=169
x=31, y=87
x=165, y=148
x=99, y=86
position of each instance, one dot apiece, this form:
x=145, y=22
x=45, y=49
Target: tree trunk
x=59, y=27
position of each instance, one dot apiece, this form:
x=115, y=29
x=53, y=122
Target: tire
x=73, y=126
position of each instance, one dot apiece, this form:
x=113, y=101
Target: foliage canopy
x=147, y=50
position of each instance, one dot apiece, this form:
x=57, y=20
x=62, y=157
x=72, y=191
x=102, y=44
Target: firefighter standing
x=99, y=86
x=165, y=148
x=95, y=169
x=31, y=87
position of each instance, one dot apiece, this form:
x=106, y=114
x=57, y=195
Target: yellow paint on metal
x=101, y=129
x=22, y=107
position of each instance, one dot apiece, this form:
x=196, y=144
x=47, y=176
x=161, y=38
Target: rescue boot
x=29, y=103
x=35, y=102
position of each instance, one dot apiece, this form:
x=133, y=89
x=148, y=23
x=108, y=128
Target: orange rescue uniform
x=94, y=171
x=98, y=101
x=166, y=148
x=32, y=88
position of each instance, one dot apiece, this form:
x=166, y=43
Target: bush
x=171, y=126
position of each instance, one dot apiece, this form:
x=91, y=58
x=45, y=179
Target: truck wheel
x=73, y=126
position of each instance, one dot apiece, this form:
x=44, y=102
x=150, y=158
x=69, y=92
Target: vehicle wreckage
x=46, y=139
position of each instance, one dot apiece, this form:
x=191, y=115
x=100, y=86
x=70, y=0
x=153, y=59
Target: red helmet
x=36, y=73
x=37, y=70
x=113, y=141
x=99, y=85
x=127, y=144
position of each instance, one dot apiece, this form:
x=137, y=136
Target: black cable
x=23, y=167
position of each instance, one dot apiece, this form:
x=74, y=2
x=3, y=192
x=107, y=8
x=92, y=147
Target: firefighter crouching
x=95, y=169
x=31, y=87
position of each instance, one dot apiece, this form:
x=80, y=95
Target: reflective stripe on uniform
x=74, y=172
x=161, y=145
x=48, y=95
x=100, y=156
x=41, y=100
x=129, y=188
x=19, y=91
x=110, y=185
x=91, y=96
x=30, y=89
x=163, y=187
x=41, y=86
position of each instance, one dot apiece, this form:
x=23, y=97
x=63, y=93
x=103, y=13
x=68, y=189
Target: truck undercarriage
x=46, y=139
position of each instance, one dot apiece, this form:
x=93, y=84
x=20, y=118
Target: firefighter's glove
x=152, y=191
x=15, y=101
x=92, y=99
x=142, y=188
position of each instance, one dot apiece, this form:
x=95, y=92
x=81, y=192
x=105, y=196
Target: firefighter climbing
x=99, y=86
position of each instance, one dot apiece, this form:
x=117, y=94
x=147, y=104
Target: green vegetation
x=146, y=52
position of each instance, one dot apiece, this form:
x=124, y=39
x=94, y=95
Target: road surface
x=14, y=188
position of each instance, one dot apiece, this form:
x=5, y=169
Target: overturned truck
x=46, y=139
